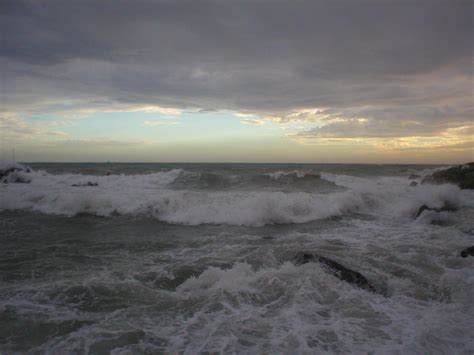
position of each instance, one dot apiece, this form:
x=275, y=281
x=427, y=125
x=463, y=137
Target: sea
x=129, y=258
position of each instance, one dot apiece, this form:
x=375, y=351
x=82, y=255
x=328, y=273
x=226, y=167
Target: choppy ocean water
x=197, y=258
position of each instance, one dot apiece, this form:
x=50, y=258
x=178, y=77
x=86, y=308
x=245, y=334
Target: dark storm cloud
x=269, y=57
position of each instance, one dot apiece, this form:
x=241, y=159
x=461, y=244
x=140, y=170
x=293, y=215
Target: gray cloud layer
x=404, y=65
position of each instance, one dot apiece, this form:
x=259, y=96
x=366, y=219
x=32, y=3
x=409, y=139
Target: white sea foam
x=323, y=308
x=297, y=173
x=6, y=164
x=278, y=308
x=258, y=302
x=149, y=195
x=232, y=290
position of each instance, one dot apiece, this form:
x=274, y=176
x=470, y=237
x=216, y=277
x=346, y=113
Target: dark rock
x=446, y=208
x=15, y=174
x=5, y=172
x=89, y=183
x=414, y=176
x=421, y=209
x=469, y=251
x=338, y=270
x=462, y=175
x=413, y=183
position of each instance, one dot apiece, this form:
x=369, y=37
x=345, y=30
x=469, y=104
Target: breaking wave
x=279, y=180
x=131, y=285
x=153, y=195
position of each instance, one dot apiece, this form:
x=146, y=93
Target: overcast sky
x=289, y=81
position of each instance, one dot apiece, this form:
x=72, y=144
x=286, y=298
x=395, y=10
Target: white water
x=131, y=284
x=148, y=195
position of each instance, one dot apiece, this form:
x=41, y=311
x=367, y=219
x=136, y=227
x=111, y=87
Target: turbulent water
x=197, y=258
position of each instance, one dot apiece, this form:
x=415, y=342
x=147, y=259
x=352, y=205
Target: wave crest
x=150, y=195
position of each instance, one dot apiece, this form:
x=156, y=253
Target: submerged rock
x=469, y=251
x=462, y=175
x=446, y=208
x=338, y=270
x=414, y=176
x=89, y=183
x=413, y=183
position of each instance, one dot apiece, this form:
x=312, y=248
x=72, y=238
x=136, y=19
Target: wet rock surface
x=85, y=184
x=445, y=208
x=338, y=270
x=469, y=251
x=462, y=175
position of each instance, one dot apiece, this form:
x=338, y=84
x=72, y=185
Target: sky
x=320, y=81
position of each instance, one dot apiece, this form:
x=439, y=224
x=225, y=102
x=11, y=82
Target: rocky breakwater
x=462, y=175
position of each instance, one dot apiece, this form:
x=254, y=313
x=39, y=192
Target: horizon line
x=223, y=162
